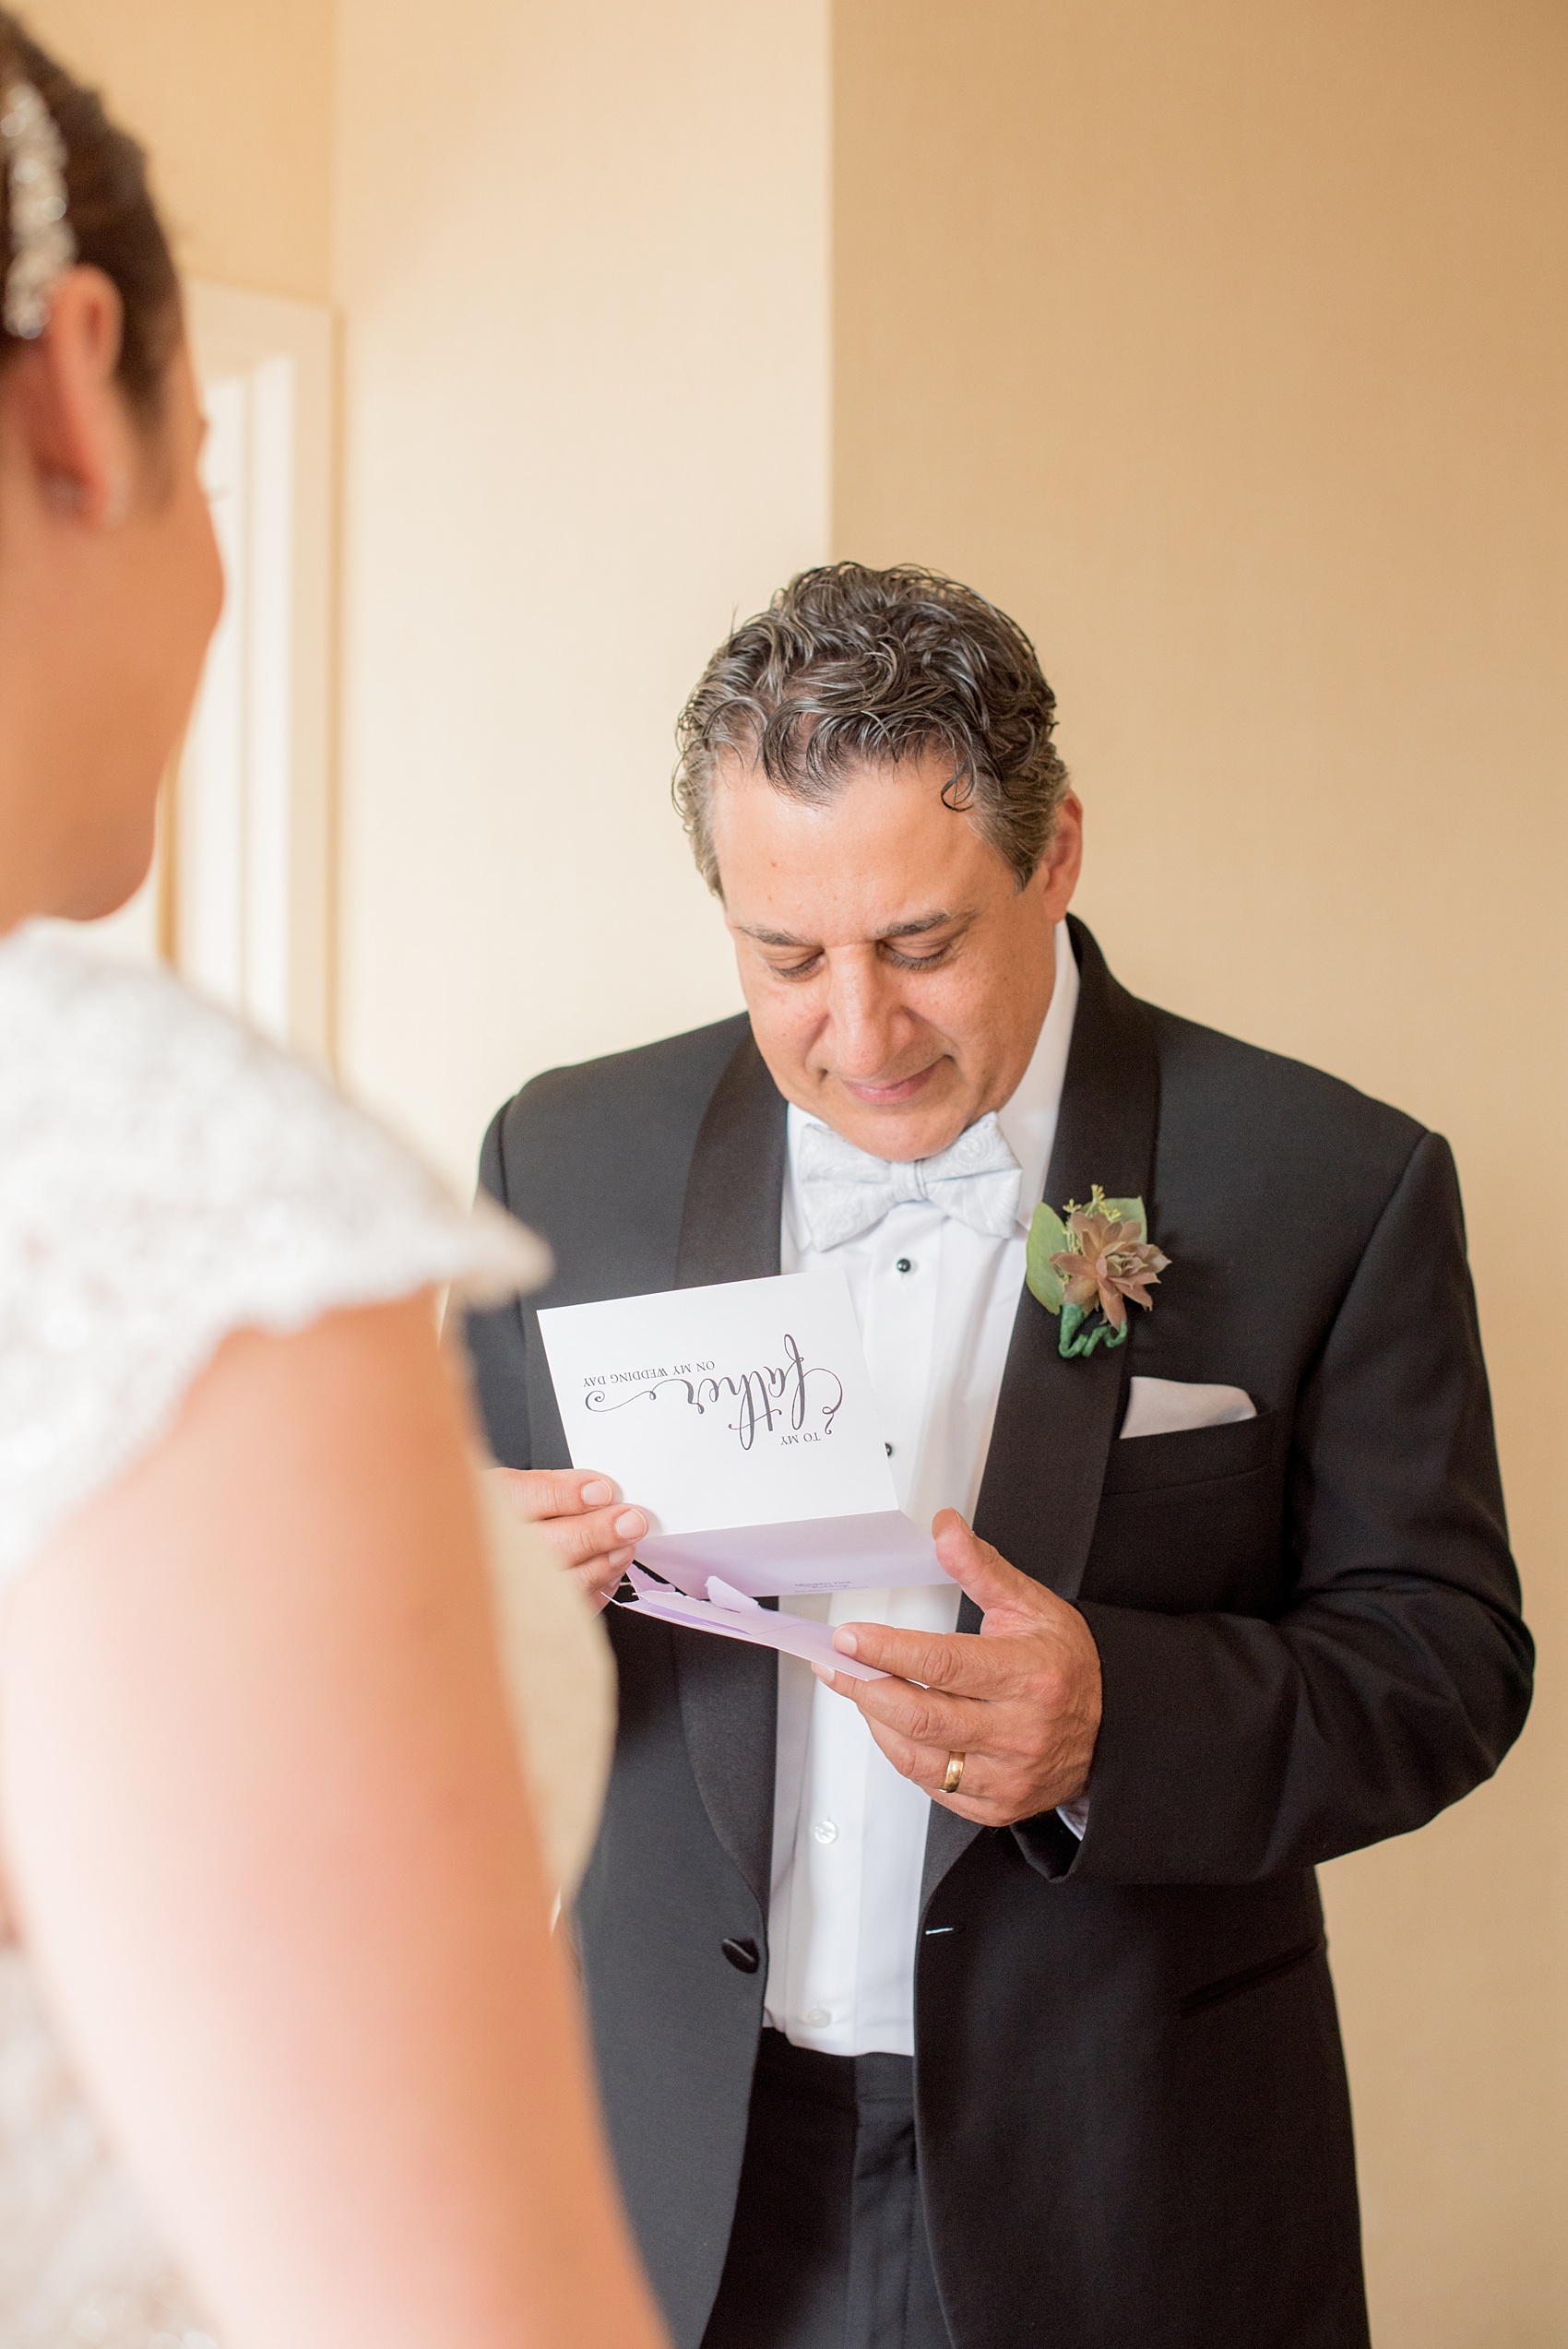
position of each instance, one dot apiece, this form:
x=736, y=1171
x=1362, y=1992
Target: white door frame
x=252, y=884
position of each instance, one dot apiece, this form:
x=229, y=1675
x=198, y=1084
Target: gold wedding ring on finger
x=952, y=1778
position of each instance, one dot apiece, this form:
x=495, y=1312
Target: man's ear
x=66, y=406
x=1057, y=871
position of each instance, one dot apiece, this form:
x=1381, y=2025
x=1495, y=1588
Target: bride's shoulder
x=135, y=1114
x=110, y=1074
x=166, y=1176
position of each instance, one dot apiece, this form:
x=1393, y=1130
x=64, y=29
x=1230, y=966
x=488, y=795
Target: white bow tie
x=844, y=1192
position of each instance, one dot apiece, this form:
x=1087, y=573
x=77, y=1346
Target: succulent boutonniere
x=1089, y=1266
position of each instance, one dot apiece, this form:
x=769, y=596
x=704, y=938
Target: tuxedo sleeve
x=1233, y=1748
x=497, y=1351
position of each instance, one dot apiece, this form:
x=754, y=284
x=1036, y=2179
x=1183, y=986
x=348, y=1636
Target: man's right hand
x=584, y=1520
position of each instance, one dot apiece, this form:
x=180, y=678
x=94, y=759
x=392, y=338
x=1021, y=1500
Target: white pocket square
x=1168, y=1406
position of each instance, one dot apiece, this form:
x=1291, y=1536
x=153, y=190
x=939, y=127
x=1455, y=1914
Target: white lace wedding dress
x=166, y=1178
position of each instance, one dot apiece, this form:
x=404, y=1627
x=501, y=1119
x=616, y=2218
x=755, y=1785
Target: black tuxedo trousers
x=1131, y=2109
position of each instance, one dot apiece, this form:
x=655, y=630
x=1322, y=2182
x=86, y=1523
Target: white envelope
x=734, y=1616
x=740, y=1418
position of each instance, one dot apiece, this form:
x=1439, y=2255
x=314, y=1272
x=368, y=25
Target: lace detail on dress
x=80, y=2265
x=167, y=1177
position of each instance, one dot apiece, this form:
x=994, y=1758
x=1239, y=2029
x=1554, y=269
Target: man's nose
x=866, y=1017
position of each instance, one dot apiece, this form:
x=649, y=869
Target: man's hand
x=1020, y=1699
x=581, y=1515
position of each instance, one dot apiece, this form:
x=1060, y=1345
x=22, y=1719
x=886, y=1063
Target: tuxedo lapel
x=1056, y=1421
x=728, y=1692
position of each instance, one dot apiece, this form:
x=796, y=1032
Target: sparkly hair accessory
x=43, y=242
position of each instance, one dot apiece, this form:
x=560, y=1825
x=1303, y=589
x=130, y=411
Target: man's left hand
x=1020, y=1699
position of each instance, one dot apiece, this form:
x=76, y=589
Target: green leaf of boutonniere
x=1129, y=1210
x=1048, y=1237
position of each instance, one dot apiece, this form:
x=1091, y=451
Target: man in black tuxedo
x=1238, y=1594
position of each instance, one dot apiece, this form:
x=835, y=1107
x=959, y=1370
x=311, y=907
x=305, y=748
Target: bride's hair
x=109, y=210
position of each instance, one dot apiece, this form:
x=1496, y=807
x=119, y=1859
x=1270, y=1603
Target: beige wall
x=1228, y=346
x=582, y=261
x=234, y=99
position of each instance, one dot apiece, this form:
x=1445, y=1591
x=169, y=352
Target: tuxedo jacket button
x=745, y=1956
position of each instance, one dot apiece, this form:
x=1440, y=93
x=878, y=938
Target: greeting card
x=741, y=1419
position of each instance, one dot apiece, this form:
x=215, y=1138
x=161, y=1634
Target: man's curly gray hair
x=848, y=666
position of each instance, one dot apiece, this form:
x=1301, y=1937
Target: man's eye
x=914, y=962
x=797, y=971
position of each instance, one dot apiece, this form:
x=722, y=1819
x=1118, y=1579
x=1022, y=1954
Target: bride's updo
x=109, y=210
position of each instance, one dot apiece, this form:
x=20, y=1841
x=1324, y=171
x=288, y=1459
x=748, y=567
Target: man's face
x=896, y=973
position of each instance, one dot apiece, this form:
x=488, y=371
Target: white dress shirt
x=935, y=1303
